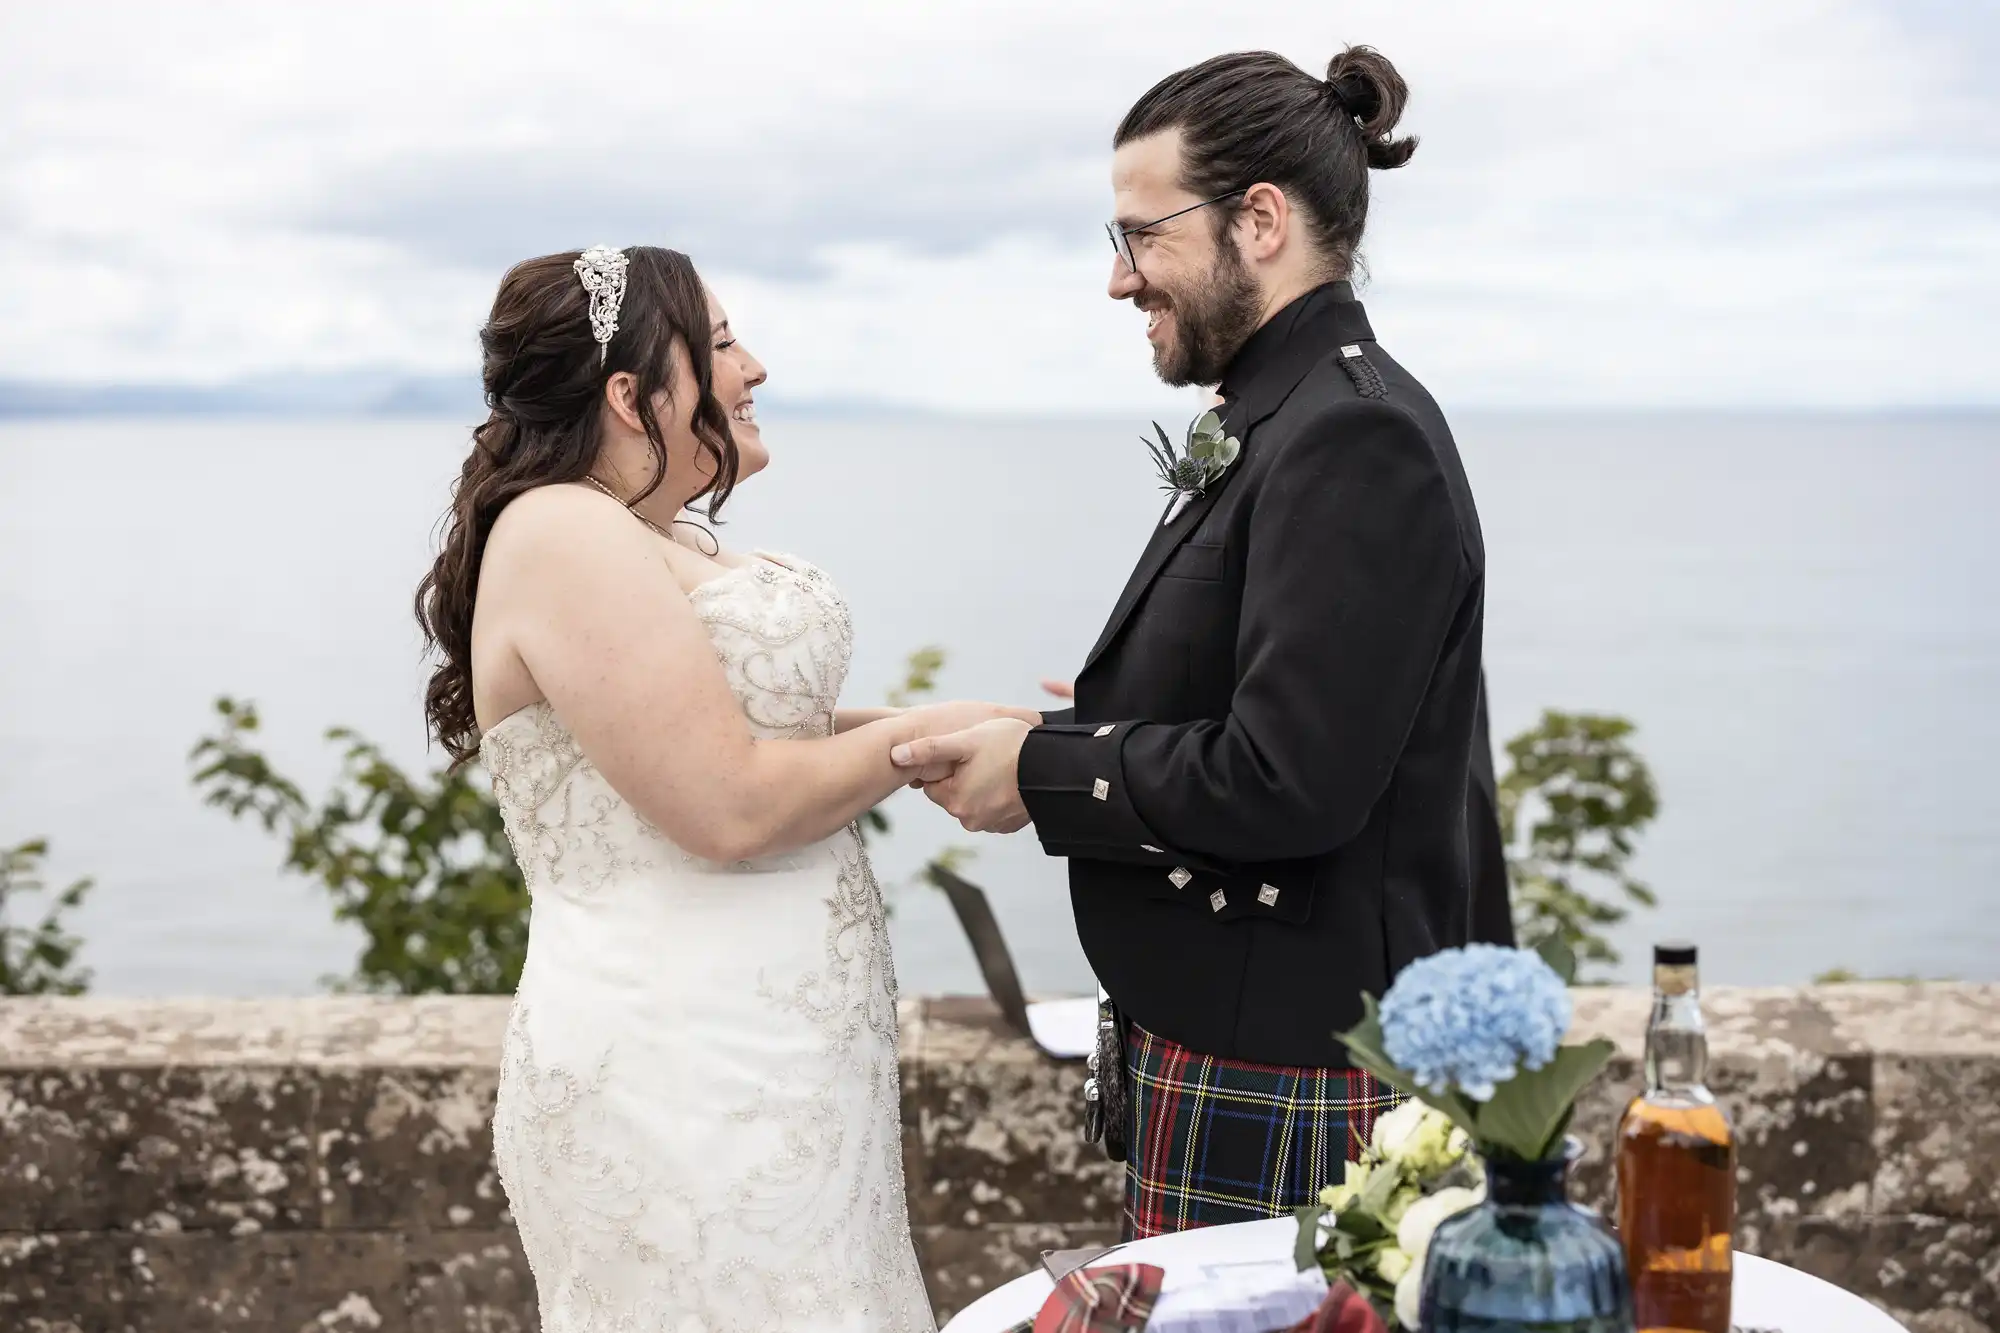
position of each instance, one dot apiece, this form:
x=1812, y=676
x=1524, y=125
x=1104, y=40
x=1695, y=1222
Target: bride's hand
x=941, y=719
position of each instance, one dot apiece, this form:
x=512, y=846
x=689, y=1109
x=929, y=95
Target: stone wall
x=321, y=1166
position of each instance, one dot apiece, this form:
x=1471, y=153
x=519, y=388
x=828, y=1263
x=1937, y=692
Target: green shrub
x=1572, y=805
x=38, y=959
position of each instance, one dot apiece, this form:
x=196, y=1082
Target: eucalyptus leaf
x=1528, y=1112
x=1375, y=1196
x=1363, y=1226
x=1189, y=470
x=1306, y=1252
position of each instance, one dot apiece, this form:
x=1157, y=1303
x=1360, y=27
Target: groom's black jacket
x=1265, y=789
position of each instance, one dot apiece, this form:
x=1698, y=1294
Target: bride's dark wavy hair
x=545, y=398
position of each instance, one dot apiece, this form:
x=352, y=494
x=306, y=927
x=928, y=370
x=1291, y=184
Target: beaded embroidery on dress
x=698, y=1123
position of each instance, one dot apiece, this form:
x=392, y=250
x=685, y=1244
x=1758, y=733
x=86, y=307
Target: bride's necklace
x=654, y=526
x=628, y=508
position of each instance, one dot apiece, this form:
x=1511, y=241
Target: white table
x=1767, y=1295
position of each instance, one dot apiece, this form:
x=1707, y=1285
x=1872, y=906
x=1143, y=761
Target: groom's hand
x=971, y=773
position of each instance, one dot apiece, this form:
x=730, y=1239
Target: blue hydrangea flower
x=1474, y=1017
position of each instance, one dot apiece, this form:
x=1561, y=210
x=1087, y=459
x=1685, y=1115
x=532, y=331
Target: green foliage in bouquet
x=1373, y=1229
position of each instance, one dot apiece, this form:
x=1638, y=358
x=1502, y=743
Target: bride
x=697, y=1123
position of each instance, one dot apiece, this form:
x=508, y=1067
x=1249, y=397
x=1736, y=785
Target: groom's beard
x=1212, y=320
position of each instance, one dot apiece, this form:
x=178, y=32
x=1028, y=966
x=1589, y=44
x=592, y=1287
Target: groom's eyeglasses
x=1121, y=237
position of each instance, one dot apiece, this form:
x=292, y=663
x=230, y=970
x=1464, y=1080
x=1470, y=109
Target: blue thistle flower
x=1474, y=1017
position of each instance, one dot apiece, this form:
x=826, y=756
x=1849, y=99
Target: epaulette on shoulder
x=1367, y=380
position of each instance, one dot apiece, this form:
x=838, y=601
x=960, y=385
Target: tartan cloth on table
x=1119, y=1299
x=1215, y=1141
x=1344, y=1311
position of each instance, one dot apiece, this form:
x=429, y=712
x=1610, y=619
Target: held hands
x=971, y=773
x=942, y=719
x=965, y=757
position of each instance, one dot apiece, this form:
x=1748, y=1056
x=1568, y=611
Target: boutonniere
x=1186, y=472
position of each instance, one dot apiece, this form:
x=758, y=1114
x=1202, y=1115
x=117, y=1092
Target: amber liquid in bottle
x=1677, y=1167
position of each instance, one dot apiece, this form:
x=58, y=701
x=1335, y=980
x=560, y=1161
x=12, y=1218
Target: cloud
x=1697, y=202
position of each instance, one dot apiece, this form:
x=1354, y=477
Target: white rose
x=1413, y=1233
x=1409, y=1294
x=1428, y=1152
x=1355, y=1179
x=1397, y=1128
x=1391, y=1263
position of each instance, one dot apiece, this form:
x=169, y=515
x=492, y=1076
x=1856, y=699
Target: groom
x=1263, y=788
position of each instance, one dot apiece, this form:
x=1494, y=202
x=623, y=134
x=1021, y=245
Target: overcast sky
x=1680, y=202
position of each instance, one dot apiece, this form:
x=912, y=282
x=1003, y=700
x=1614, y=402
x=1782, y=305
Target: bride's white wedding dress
x=698, y=1122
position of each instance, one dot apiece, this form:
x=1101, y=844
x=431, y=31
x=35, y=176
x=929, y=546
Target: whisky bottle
x=1677, y=1167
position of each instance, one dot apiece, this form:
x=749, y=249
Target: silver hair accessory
x=602, y=271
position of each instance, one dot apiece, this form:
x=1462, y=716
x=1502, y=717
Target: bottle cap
x=1673, y=953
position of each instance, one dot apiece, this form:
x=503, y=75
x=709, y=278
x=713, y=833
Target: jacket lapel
x=1167, y=539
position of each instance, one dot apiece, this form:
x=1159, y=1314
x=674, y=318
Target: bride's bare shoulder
x=557, y=516
x=556, y=503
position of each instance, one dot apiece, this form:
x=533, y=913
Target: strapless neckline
x=758, y=562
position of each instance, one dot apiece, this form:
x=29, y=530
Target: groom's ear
x=1263, y=222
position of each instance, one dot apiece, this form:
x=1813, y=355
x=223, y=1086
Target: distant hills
x=351, y=394
x=390, y=393
x=358, y=394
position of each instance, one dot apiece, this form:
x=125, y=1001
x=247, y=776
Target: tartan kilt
x=1213, y=1141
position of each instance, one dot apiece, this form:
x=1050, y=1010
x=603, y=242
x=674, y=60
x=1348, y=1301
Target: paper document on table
x=1252, y=1297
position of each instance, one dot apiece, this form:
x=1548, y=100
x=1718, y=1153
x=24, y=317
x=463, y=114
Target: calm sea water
x=1799, y=612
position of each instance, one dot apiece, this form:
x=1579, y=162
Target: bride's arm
x=847, y=719
x=615, y=647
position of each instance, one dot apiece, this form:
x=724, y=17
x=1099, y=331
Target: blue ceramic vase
x=1526, y=1258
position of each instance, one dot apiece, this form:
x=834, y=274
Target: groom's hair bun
x=1368, y=87
x=1254, y=116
